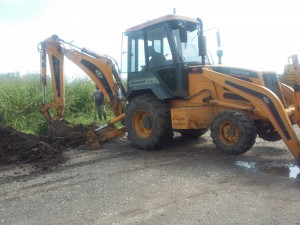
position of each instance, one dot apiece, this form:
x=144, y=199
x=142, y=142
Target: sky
x=257, y=34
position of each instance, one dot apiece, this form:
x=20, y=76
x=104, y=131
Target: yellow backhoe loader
x=173, y=85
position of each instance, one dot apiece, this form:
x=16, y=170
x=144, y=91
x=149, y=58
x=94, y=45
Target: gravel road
x=189, y=182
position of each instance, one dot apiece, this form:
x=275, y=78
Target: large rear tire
x=233, y=132
x=148, y=122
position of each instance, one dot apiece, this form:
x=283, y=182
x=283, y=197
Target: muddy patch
x=285, y=170
x=290, y=170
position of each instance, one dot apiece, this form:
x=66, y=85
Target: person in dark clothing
x=157, y=59
x=99, y=100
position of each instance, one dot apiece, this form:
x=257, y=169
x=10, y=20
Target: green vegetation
x=21, y=99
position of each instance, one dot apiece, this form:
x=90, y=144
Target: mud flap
x=58, y=128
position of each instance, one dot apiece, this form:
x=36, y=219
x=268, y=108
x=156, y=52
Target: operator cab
x=159, y=53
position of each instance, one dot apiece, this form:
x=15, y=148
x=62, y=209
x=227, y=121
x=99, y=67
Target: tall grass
x=79, y=101
x=21, y=99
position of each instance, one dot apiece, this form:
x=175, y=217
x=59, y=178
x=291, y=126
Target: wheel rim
x=142, y=124
x=229, y=133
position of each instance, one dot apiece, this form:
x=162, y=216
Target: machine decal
x=179, y=121
x=143, y=82
x=268, y=102
x=235, y=71
x=56, y=70
x=235, y=97
x=99, y=76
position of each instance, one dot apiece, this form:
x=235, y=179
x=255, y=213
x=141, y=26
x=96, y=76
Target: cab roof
x=160, y=20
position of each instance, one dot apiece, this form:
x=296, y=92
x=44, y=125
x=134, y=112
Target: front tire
x=233, y=132
x=148, y=122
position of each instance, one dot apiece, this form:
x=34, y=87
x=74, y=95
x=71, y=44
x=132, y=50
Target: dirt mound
x=44, y=152
x=18, y=147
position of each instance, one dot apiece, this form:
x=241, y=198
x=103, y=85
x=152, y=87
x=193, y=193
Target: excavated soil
x=40, y=151
x=17, y=147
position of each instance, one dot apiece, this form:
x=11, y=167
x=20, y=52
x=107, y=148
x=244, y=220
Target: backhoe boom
x=102, y=69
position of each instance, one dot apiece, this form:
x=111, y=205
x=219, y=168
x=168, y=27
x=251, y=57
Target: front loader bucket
x=58, y=128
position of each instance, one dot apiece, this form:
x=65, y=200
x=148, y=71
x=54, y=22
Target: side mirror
x=201, y=42
x=219, y=51
x=202, y=46
x=182, y=31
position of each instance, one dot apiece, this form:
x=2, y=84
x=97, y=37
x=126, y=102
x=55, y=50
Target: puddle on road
x=247, y=165
x=286, y=170
x=294, y=171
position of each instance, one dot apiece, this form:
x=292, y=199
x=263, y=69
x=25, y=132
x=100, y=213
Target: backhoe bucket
x=106, y=132
x=58, y=128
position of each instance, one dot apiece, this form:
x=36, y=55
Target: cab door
x=157, y=39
